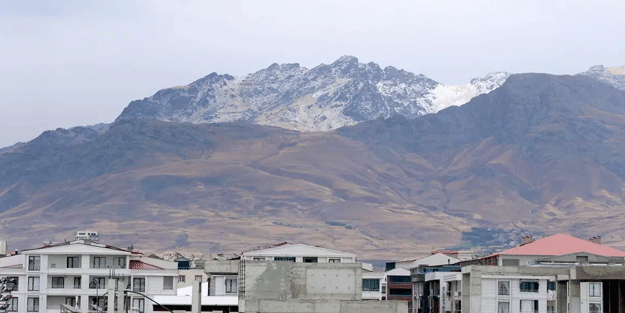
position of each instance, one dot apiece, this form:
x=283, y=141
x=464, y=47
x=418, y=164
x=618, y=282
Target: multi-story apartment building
x=77, y=274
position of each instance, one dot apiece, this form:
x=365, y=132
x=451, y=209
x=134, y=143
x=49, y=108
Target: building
x=399, y=286
x=373, y=285
x=77, y=274
x=437, y=258
x=436, y=289
x=190, y=269
x=299, y=253
x=559, y=273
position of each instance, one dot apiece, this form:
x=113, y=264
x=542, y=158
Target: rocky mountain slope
x=319, y=99
x=614, y=76
x=540, y=152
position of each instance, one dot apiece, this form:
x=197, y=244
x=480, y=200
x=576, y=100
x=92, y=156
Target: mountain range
x=540, y=152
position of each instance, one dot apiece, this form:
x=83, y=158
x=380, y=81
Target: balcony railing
x=63, y=286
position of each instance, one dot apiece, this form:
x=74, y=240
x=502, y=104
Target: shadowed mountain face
x=541, y=152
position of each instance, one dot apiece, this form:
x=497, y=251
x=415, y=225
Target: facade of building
x=77, y=274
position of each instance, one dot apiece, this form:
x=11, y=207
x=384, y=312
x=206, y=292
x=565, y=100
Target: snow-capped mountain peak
x=323, y=98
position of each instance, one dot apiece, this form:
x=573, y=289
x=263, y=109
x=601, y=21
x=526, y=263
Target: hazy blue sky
x=69, y=63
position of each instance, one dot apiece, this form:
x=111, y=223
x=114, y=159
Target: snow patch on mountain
x=323, y=98
x=614, y=76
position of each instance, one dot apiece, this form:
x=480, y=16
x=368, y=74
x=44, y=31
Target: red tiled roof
x=561, y=244
x=140, y=265
x=14, y=266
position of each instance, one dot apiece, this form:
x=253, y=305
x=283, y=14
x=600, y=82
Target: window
x=12, y=305
x=370, y=284
x=198, y=278
x=58, y=282
x=284, y=258
x=551, y=309
x=334, y=260
x=400, y=292
x=97, y=283
x=503, y=288
x=231, y=285
x=529, y=286
x=98, y=262
x=119, y=262
x=503, y=307
x=138, y=285
x=12, y=283
x=258, y=258
x=551, y=285
x=77, y=282
x=33, y=263
x=184, y=265
x=71, y=301
x=529, y=306
x=181, y=279
x=399, y=279
x=310, y=259
x=32, y=305
x=33, y=283
x=510, y=262
x=168, y=282
x=594, y=289
x=138, y=305
x=594, y=308
x=73, y=262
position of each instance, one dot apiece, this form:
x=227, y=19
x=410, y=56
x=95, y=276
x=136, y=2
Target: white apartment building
x=76, y=274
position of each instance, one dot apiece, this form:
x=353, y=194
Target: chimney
x=595, y=239
x=527, y=239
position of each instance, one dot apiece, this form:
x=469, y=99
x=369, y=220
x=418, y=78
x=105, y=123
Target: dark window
x=370, y=284
x=400, y=279
x=284, y=258
x=551, y=285
x=12, y=283
x=310, y=259
x=139, y=285
x=33, y=263
x=334, y=260
x=58, y=282
x=529, y=286
x=77, y=282
x=73, y=262
x=400, y=292
x=184, y=265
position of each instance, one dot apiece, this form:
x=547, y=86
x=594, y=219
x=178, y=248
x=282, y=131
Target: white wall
x=490, y=297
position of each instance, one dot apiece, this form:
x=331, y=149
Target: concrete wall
x=289, y=280
x=221, y=267
x=329, y=306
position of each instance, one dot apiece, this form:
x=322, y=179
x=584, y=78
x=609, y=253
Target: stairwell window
x=529, y=306
x=231, y=285
x=34, y=263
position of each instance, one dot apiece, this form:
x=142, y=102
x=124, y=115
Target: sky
x=70, y=63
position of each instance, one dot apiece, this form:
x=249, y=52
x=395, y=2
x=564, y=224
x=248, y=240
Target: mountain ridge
x=541, y=151
x=323, y=98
